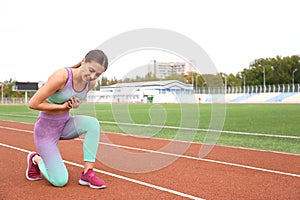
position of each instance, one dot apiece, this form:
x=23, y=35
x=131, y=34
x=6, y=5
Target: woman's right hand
x=73, y=102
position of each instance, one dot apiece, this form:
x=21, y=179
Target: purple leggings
x=50, y=128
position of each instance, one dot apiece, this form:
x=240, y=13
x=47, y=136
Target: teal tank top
x=68, y=91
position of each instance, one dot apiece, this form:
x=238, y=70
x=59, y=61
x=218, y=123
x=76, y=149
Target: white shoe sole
x=81, y=182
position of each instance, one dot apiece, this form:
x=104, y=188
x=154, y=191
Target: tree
x=179, y=77
x=9, y=93
x=278, y=70
x=104, y=81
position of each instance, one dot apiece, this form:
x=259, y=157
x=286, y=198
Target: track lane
x=198, y=178
x=282, y=162
x=16, y=186
x=249, y=157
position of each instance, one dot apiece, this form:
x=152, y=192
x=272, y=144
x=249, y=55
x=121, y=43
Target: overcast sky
x=38, y=37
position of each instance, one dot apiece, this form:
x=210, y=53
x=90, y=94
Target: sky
x=39, y=37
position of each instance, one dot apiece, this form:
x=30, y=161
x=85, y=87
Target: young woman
x=63, y=91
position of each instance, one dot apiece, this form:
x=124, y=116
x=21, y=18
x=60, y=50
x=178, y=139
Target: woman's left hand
x=74, y=102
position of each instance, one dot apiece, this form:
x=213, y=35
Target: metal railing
x=12, y=101
x=279, y=88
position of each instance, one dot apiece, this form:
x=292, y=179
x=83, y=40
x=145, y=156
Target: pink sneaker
x=90, y=179
x=32, y=172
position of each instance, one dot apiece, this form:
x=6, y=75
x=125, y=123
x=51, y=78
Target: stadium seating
x=243, y=98
x=292, y=99
x=280, y=97
x=261, y=98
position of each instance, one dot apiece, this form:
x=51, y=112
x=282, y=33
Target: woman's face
x=91, y=70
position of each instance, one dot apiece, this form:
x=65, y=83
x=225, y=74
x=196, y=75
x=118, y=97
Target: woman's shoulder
x=59, y=77
x=61, y=73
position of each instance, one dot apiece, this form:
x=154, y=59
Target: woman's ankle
x=87, y=166
x=36, y=159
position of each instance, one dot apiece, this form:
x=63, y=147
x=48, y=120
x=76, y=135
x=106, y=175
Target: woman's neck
x=78, y=82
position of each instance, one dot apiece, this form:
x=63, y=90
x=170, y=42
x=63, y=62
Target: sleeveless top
x=68, y=91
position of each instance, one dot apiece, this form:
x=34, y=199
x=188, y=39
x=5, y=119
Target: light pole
x=196, y=83
x=1, y=93
x=245, y=83
x=293, y=75
x=225, y=77
x=193, y=82
x=264, y=78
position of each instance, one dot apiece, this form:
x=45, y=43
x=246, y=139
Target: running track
x=225, y=173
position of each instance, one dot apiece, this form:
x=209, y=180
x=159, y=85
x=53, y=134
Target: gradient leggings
x=49, y=129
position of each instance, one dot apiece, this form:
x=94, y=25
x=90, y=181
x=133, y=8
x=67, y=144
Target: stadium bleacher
x=280, y=97
x=243, y=98
x=261, y=98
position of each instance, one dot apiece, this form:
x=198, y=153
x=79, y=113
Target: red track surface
x=225, y=173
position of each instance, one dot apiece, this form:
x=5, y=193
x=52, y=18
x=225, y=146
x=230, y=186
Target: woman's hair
x=95, y=55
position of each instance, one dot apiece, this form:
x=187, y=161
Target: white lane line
x=203, y=159
x=118, y=176
x=16, y=129
x=197, y=143
x=184, y=156
x=219, y=145
x=183, y=128
x=204, y=130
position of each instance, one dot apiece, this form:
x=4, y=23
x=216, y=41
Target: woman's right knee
x=59, y=181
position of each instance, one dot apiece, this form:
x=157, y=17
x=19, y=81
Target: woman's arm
x=55, y=83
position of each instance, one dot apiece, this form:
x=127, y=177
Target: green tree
x=104, y=81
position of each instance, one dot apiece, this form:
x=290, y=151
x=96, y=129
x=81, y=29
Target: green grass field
x=263, y=119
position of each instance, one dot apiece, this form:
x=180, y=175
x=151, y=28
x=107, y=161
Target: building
x=165, y=69
x=170, y=91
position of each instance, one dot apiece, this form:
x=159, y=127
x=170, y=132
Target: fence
x=279, y=88
x=12, y=101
